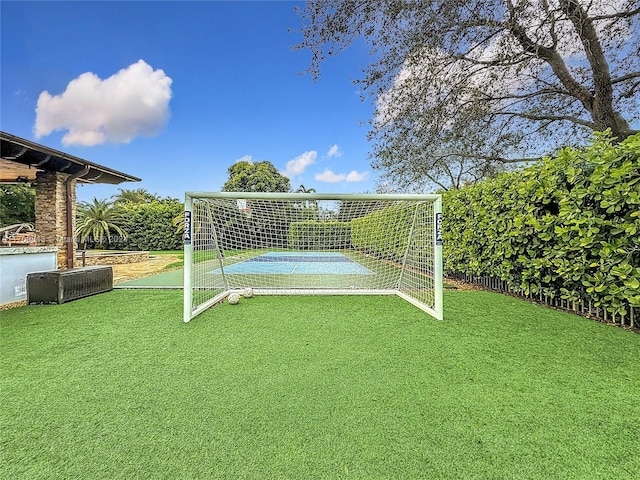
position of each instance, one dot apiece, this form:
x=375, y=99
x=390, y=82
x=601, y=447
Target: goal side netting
x=312, y=244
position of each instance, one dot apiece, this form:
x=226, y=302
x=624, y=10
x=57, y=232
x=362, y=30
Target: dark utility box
x=65, y=285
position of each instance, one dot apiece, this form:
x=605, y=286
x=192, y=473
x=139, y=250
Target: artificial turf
x=116, y=386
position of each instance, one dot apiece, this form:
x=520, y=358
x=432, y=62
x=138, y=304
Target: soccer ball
x=234, y=298
x=247, y=292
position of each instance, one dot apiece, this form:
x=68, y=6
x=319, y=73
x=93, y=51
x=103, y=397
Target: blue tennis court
x=298, y=263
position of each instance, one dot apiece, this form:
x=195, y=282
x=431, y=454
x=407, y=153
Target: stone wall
x=111, y=259
x=51, y=213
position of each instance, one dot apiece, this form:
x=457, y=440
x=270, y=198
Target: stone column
x=51, y=213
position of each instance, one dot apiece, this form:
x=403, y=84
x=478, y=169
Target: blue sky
x=176, y=92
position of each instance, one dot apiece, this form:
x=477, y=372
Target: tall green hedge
x=149, y=226
x=384, y=233
x=567, y=226
x=314, y=235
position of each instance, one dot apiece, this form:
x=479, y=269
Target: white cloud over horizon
x=298, y=165
x=328, y=176
x=131, y=103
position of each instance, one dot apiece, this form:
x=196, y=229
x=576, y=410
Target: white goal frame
x=433, y=307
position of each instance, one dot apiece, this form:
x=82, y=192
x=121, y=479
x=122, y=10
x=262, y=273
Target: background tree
x=17, y=204
x=153, y=226
x=255, y=177
x=96, y=221
x=259, y=217
x=466, y=87
x=140, y=195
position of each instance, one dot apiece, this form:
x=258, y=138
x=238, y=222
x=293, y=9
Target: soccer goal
x=312, y=244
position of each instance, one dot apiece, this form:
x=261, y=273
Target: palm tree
x=96, y=221
x=310, y=207
x=303, y=189
x=140, y=195
x=178, y=222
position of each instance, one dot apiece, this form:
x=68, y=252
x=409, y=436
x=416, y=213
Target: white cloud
x=354, y=176
x=329, y=176
x=246, y=158
x=298, y=165
x=133, y=102
x=334, y=151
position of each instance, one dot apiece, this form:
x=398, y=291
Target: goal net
x=312, y=244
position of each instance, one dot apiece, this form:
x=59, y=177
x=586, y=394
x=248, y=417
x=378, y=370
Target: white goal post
x=312, y=244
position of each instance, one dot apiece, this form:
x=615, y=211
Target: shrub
x=567, y=226
x=314, y=235
x=384, y=233
x=149, y=226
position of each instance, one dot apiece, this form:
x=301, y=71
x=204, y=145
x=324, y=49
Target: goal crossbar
x=315, y=196
x=312, y=244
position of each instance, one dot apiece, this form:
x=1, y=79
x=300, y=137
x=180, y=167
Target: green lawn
x=115, y=386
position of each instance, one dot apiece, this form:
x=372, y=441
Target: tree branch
x=553, y=58
x=628, y=14
x=493, y=158
x=538, y=93
x=603, y=113
x=626, y=77
x=489, y=63
x=631, y=91
x=569, y=118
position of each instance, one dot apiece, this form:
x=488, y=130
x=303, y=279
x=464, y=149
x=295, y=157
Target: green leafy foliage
x=466, y=88
x=150, y=226
x=17, y=204
x=314, y=235
x=99, y=224
x=384, y=233
x=567, y=226
x=255, y=177
x=140, y=195
x=260, y=224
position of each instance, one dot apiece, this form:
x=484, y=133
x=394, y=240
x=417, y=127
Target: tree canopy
x=464, y=87
x=140, y=195
x=255, y=177
x=17, y=204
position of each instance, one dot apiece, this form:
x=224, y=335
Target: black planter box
x=65, y=285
